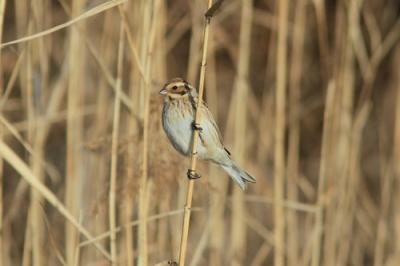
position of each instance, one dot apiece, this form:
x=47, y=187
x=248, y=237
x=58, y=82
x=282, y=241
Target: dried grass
x=307, y=96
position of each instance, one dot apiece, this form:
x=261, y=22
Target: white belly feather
x=179, y=131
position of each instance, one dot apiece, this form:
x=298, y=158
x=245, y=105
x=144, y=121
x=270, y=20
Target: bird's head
x=177, y=88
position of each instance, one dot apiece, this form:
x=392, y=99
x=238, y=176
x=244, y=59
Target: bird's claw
x=191, y=174
x=196, y=126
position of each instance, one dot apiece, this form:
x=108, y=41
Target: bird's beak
x=163, y=91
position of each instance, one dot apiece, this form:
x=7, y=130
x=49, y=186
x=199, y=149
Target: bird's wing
x=210, y=128
x=210, y=135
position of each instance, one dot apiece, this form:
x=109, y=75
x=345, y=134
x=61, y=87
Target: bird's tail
x=238, y=175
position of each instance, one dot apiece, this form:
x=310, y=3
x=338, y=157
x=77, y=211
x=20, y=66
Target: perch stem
x=193, y=159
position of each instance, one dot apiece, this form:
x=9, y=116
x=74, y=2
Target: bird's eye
x=174, y=87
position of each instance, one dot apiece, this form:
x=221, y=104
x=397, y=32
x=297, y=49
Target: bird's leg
x=191, y=174
x=196, y=126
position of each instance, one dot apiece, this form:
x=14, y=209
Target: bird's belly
x=179, y=132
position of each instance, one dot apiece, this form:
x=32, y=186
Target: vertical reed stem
x=241, y=103
x=329, y=107
x=114, y=152
x=152, y=9
x=396, y=154
x=279, y=157
x=294, y=131
x=2, y=10
x=142, y=228
x=193, y=158
x=74, y=131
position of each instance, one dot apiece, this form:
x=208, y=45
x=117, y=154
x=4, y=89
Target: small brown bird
x=180, y=100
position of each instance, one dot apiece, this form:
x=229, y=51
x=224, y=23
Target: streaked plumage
x=180, y=100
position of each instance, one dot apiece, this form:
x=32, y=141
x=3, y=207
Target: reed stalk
x=149, y=31
x=114, y=147
x=396, y=153
x=218, y=197
x=146, y=7
x=100, y=222
x=193, y=158
x=329, y=108
x=37, y=70
x=335, y=133
x=161, y=230
x=33, y=217
x=128, y=202
x=294, y=131
x=279, y=151
x=2, y=12
x=329, y=216
x=382, y=230
x=74, y=132
x=241, y=103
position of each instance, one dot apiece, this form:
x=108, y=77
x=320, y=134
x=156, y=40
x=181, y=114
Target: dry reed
x=240, y=106
x=114, y=150
x=306, y=95
x=2, y=93
x=280, y=121
x=195, y=139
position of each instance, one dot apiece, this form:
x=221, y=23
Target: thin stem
x=2, y=10
x=279, y=157
x=193, y=158
x=149, y=32
x=241, y=103
x=114, y=151
x=322, y=174
x=74, y=131
x=294, y=130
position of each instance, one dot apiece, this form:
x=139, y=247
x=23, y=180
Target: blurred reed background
x=306, y=93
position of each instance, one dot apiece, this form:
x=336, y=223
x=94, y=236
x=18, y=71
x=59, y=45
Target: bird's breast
x=177, y=125
x=177, y=121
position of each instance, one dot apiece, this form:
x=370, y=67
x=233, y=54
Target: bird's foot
x=196, y=126
x=191, y=174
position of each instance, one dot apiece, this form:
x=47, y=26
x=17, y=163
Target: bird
x=180, y=103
